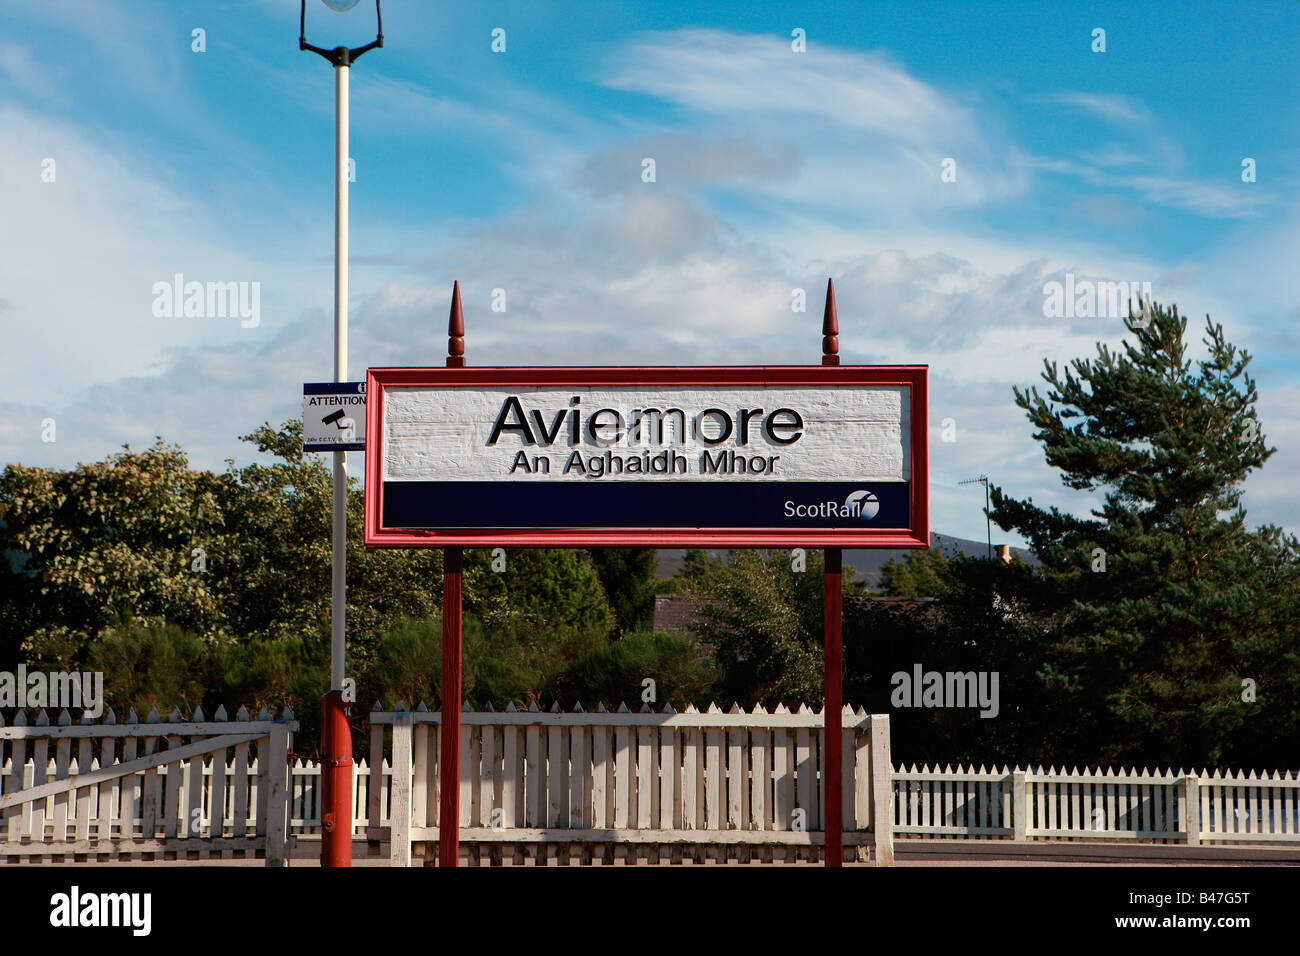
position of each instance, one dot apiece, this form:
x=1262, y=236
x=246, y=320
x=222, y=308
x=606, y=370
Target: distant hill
x=867, y=564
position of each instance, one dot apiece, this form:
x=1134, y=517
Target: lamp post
x=336, y=731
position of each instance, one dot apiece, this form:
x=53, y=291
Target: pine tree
x=924, y=573
x=629, y=576
x=1168, y=602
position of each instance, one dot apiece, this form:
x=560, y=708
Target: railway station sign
x=707, y=456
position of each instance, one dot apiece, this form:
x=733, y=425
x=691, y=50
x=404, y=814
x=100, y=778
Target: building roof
x=674, y=613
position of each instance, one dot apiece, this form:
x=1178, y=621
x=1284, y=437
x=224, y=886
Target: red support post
x=336, y=781
x=832, y=619
x=449, y=757
x=449, y=765
x=833, y=774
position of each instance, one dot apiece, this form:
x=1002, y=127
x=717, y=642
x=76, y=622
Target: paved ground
x=382, y=862
x=908, y=853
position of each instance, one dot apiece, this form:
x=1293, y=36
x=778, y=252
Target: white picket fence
x=1095, y=805
x=171, y=791
x=603, y=787
x=546, y=786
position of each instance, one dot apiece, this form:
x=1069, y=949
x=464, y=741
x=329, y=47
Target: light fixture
x=341, y=55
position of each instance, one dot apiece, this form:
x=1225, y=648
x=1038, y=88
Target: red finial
x=456, y=331
x=830, y=328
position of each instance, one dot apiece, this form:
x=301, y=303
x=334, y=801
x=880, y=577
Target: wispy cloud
x=1107, y=106
x=728, y=74
x=24, y=74
x=868, y=132
x=1212, y=200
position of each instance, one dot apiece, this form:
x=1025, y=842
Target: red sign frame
x=914, y=377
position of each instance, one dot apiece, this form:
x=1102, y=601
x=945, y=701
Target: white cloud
x=24, y=73
x=1212, y=200
x=868, y=132
x=1107, y=106
x=1271, y=492
x=573, y=300
x=603, y=269
x=78, y=274
x=686, y=161
x=728, y=74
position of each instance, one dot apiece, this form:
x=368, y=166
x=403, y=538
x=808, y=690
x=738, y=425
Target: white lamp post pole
x=338, y=600
x=336, y=728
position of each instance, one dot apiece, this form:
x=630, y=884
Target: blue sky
x=522, y=171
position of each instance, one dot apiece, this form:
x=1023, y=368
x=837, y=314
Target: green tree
x=272, y=673
x=108, y=542
x=1168, y=601
x=991, y=618
x=615, y=672
x=763, y=621
x=149, y=665
x=923, y=573
x=498, y=665
x=629, y=578
x=407, y=663
x=190, y=587
x=697, y=565
x=273, y=567
x=540, y=589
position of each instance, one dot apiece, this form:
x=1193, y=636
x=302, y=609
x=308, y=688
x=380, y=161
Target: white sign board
x=649, y=434
x=702, y=456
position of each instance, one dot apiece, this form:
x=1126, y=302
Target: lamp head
x=340, y=55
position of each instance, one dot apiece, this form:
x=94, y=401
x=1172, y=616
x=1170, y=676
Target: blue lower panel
x=353, y=446
x=646, y=504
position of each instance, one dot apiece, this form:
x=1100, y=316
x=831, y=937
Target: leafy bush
x=613, y=673
x=149, y=665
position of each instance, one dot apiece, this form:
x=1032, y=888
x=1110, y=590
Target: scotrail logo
x=864, y=503
x=859, y=504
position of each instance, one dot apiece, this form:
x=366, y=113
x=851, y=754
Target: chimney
x=1004, y=553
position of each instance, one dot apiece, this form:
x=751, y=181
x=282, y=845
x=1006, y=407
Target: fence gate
x=150, y=791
